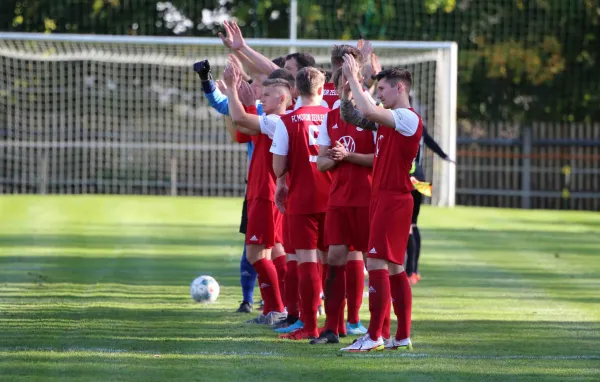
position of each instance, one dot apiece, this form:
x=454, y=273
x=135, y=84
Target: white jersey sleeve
x=268, y=124
x=407, y=121
x=323, y=138
x=281, y=140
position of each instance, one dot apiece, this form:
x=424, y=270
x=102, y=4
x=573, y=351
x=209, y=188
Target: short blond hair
x=308, y=80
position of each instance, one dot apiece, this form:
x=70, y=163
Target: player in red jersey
x=399, y=129
x=263, y=233
x=347, y=219
x=295, y=154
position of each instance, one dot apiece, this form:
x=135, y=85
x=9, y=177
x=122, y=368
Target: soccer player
x=295, y=154
x=219, y=102
x=399, y=129
x=347, y=219
x=263, y=233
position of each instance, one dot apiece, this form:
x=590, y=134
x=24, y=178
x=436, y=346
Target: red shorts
x=307, y=231
x=264, y=223
x=390, y=226
x=349, y=226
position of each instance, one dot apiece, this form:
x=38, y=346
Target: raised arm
x=235, y=41
x=236, y=109
x=379, y=115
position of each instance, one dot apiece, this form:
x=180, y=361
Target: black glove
x=203, y=70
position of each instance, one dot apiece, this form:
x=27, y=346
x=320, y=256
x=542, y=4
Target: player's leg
x=416, y=235
x=304, y=238
x=355, y=274
x=260, y=238
x=280, y=261
x=291, y=297
x=335, y=293
x=248, y=281
x=402, y=304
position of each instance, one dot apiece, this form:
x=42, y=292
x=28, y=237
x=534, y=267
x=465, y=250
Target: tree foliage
x=520, y=60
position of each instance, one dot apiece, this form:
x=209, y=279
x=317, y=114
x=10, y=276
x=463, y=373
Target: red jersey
x=395, y=152
x=261, y=177
x=296, y=137
x=351, y=183
x=330, y=95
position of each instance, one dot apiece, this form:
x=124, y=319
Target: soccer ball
x=204, y=289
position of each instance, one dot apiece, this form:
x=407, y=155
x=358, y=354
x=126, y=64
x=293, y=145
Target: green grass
x=96, y=288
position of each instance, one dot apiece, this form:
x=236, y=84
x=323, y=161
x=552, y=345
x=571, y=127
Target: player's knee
x=255, y=253
x=376, y=264
x=337, y=255
x=355, y=256
x=395, y=269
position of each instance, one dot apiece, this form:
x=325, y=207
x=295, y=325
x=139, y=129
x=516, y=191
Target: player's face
x=340, y=89
x=292, y=66
x=386, y=93
x=272, y=98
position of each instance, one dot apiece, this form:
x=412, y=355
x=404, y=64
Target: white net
x=84, y=114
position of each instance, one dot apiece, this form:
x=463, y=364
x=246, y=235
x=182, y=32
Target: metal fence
x=542, y=165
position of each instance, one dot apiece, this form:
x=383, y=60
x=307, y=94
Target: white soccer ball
x=204, y=289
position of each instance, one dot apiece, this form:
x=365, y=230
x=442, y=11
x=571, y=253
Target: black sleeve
x=429, y=142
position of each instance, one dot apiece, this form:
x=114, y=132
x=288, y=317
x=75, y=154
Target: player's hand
x=229, y=76
x=350, y=67
x=366, y=49
x=338, y=152
x=450, y=160
x=203, y=70
x=246, y=94
x=281, y=194
x=233, y=38
x=375, y=64
x=346, y=91
x=221, y=85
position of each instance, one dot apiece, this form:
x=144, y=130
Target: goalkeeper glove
x=203, y=70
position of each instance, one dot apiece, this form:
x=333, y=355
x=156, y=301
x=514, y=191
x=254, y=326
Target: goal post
x=126, y=114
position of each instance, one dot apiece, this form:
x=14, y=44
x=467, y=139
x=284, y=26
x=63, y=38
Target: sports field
x=96, y=288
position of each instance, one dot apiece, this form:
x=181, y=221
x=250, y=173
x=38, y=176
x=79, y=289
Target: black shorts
x=244, y=222
x=417, y=199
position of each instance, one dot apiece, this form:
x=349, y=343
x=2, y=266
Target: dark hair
x=279, y=61
x=327, y=74
x=394, y=75
x=308, y=81
x=303, y=59
x=283, y=74
x=339, y=51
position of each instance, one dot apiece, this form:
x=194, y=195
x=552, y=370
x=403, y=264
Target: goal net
x=126, y=115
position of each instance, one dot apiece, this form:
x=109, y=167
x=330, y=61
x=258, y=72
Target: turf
x=96, y=288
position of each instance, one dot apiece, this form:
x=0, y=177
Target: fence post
x=174, y=176
x=526, y=168
x=43, y=173
x=293, y=25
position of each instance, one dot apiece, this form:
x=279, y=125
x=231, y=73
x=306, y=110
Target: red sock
x=309, y=290
x=386, y=330
x=379, y=298
x=281, y=267
x=355, y=285
x=324, y=273
x=291, y=289
x=341, y=319
x=335, y=293
x=269, y=286
x=402, y=301
x=320, y=271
